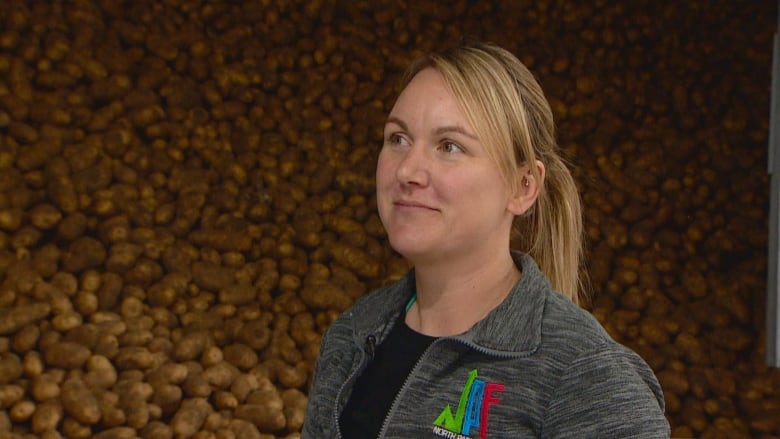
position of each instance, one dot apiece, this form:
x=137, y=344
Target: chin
x=408, y=248
x=418, y=252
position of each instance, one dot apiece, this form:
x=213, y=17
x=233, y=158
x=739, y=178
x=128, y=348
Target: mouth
x=406, y=204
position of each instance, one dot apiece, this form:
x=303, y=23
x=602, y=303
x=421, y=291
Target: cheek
x=384, y=172
x=385, y=183
x=477, y=189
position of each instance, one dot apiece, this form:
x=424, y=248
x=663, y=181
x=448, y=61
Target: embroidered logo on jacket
x=472, y=413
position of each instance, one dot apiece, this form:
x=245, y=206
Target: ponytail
x=551, y=232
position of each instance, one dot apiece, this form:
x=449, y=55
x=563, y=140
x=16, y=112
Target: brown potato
x=190, y=416
x=79, y=402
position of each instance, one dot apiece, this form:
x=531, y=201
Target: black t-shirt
x=375, y=390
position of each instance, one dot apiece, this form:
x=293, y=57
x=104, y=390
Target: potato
x=191, y=346
x=168, y=397
x=156, y=430
x=196, y=386
x=67, y=355
x=291, y=377
x=674, y=381
x=10, y=367
x=100, y=372
x=32, y=364
x=45, y=387
x=190, y=416
x=22, y=411
x=79, y=402
x=134, y=357
x=137, y=415
x=10, y=394
x=47, y=416
x=131, y=390
x=73, y=429
x=294, y=408
x=13, y=319
x=225, y=400
x=123, y=256
x=116, y=433
x=72, y=226
x=325, y=296
x=238, y=294
x=211, y=277
x=83, y=253
x=243, y=385
x=10, y=219
x=221, y=375
x=66, y=321
x=244, y=429
x=45, y=216
x=241, y=356
x=262, y=416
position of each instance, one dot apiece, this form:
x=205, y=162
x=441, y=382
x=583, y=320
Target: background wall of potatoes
x=187, y=197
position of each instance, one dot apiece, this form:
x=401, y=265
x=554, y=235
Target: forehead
x=428, y=98
x=427, y=77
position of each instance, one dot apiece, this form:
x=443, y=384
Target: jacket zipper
x=496, y=354
x=367, y=353
x=383, y=430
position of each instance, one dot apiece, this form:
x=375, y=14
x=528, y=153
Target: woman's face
x=439, y=194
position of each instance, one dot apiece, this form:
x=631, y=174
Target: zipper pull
x=370, y=346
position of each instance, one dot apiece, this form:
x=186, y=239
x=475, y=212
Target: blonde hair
x=506, y=106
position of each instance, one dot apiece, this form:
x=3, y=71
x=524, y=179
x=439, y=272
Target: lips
x=412, y=204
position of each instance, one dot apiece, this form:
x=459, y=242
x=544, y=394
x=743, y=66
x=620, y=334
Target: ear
x=527, y=189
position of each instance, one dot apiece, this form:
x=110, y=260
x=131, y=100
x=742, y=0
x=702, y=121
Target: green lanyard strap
x=410, y=303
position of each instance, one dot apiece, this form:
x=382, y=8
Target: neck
x=450, y=299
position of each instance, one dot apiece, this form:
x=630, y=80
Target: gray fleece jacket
x=536, y=366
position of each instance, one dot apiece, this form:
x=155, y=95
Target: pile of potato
x=187, y=198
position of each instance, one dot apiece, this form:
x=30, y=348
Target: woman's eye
x=451, y=147
x=395, y=139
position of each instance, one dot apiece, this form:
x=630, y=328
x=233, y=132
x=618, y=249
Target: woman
x=478, y=340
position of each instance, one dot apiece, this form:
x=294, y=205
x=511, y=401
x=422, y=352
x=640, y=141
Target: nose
x=413, y=168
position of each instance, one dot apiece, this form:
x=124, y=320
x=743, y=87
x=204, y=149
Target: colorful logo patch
x=472, y=413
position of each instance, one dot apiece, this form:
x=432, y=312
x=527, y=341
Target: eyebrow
x=439, y=131
x=397, y=121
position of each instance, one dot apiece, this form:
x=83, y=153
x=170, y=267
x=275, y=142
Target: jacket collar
x=514, y=327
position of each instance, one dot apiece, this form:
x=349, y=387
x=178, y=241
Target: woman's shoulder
x=596, y=374
x=572, y=330
x=582, y=346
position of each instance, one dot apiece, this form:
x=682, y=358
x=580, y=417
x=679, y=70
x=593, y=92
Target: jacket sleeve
x=334, y=364
x=607, y=393
x=315, y=423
